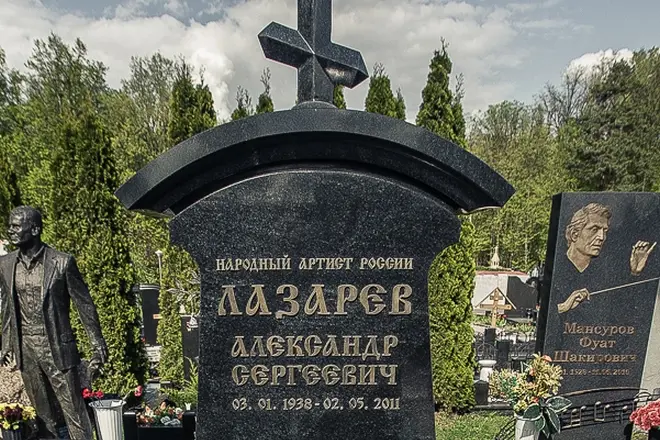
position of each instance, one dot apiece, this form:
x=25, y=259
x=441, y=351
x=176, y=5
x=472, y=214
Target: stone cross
x=321, y=64
x=496, y=306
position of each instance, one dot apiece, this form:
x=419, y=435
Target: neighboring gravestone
x=314, y=230
x=523, y=296
x=599, y=315
x=490, y=335
x=190, y=344
x=150, y=311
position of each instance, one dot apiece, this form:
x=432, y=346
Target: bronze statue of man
x=38, y=284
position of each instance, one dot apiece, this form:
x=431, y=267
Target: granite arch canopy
x=313, y=136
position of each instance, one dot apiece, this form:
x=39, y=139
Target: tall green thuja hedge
x=191, y=112
x=451, y=282
x=88, y=222
x=451, y=276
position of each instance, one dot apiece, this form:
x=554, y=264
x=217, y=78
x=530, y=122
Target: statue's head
x=587, y=230
x=25, y=226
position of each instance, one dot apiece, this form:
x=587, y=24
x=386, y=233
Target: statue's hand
x=639, y=255
x=99, y=358
x=8, y=360
x=100, y=352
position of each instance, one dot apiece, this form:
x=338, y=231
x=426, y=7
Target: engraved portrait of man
x=586, y=234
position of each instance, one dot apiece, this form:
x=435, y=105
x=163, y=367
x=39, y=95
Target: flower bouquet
x=12, y=418
x=163, y=422
x=166, y=414
x=532, y=393
x=647, y=418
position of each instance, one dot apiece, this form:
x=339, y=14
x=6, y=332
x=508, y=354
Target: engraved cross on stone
x=321, y=64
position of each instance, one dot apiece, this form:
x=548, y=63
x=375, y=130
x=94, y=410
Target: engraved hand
x=574, y=300
x=639, y=255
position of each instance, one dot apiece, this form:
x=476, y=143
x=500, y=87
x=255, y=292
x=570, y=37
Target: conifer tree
x=399, y=106
x=191, y=106
x=88, y=221
x=243, y=105
x=265, y=102
x=380, y=98
x=338, y=97
x=451, y=277
x=69, y=173
x=10, y=101
x=191, y=112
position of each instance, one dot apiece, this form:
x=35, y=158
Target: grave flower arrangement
x=647, y=417
x=13, y=415
x=166, y=414
x=532, y=393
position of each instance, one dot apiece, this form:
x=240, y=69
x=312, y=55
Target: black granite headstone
x=490, y=334
x=150, y=311
x=503, y=358
x=190, y=344
x=314, y=230
x=598, y=308
x=523, y=297
x=481, y=392
x=314, y=253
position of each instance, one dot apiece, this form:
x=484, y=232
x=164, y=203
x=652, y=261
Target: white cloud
x=401, y=34
x=545, y=23
x=592, y=60
x=140, y=8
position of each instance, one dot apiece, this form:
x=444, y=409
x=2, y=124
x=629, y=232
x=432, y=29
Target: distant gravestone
x=523, y=296
x=600, y=317
x=490, y=335
x=314, y=230
x=190, y=344
x=150, y=311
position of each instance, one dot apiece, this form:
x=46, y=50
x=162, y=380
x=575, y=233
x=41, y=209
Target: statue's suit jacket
x=62, y=283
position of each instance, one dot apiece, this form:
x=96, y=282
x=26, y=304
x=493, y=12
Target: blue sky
x=505, y=49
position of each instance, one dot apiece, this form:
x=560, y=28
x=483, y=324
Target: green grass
x=475, y=426
x=479, y=426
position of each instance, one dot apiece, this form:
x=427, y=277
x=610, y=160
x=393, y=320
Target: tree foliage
x=338, y=97
x=380, y=98
x=399, y=106
x=191, y=106
x=451, y=276
x=140, y=112
x=243, y=105
x=451, y=282
x=265, y=102
x=515, y=140
x=613, y=143
x=71, y=177
x=441, y=110
x=191, y=113
x=10, y=104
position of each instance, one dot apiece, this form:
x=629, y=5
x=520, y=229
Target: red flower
x=647, y=417
x=138, y=391
x=87, y=393
x=98, y=394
